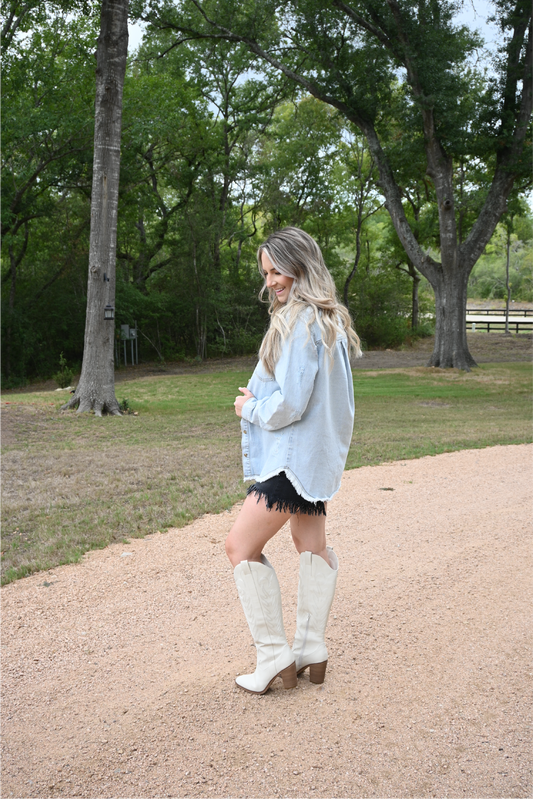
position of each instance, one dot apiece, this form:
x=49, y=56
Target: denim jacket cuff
x=248, y=409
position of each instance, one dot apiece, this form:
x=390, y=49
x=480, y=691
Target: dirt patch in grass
x=10, y=420
x=19, y=422
x=485, y=348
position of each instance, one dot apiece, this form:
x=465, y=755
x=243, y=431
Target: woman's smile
x=279, y=283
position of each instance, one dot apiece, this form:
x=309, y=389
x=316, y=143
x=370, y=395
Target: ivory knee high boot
x=259, y=593
x=315, y=595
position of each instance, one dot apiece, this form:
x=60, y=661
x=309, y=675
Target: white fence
x=520, y=320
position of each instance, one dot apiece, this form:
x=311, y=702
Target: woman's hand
x=239, y=401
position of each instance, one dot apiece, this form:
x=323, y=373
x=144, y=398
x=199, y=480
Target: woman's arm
x=295, y=374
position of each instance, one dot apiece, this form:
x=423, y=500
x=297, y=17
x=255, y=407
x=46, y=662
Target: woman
x=297, y=419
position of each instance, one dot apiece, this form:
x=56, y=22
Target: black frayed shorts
x=280, y=494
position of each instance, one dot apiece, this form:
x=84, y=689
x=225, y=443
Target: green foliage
x=48, y=83
x=488, y=279
x=381, y=308
x=380, y=296
x=445, y=118
x=64, y=377
x=125, y=408
x=218, y=151
x=299, y=154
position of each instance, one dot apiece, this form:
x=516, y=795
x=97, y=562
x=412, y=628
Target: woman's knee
x=231, y=549
x=237, y=547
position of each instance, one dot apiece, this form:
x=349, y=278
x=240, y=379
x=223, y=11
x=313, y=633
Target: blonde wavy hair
x=294, y=253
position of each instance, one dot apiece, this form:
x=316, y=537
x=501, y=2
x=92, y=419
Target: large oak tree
x=353, y=55
x=96, y=387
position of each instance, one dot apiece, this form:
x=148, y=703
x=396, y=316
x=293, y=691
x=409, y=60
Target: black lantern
x=109, y=313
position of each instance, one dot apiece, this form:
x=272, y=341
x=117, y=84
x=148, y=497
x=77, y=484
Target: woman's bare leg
x=309, y=534
x=254, y=526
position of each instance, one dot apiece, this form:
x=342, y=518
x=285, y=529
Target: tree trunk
x=14, y=263
x=507, y=283
x=96, y=388
x=413, y=274
x=9, y=331
x=451, y=348
x=414, y=299
x=201, y=335
x=355, y=265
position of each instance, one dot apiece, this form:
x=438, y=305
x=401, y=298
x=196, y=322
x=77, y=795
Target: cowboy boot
x=315, y=596
x=260, y=596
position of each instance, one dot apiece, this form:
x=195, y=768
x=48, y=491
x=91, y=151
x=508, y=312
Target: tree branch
x=503, y=180
x=12, y=23
x=363, y=23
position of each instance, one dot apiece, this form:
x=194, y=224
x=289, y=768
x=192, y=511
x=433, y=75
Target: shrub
x=64, y=377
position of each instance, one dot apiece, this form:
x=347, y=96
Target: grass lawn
x=74, y=483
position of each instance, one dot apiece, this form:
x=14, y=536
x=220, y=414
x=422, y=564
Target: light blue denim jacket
x=300, y=421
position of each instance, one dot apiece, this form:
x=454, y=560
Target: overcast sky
x=475, y=14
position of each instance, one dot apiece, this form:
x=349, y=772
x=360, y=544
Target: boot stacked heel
x=317, y=672
x=289, y=676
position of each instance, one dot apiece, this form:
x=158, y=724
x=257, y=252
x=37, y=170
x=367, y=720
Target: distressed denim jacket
x=300, y=421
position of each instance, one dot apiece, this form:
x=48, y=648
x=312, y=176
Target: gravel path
x=118, y=672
